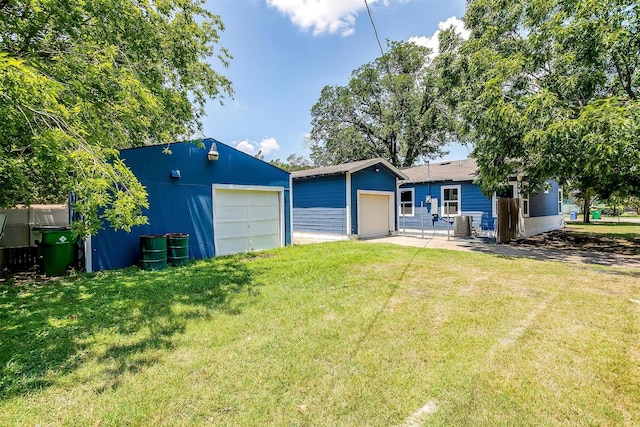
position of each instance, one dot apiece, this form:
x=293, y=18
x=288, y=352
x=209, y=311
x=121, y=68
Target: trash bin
x=153, y=251
x=177, y=249
x=573, y=216
x=595, y=214
x=58, y=247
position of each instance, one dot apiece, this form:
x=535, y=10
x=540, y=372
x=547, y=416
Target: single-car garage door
x=246, y=220
x=373, y=215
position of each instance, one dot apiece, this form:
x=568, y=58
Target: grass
x=625, y=230
x=343, y=333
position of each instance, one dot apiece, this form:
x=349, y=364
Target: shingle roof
x=455, y=170
x=350, y=167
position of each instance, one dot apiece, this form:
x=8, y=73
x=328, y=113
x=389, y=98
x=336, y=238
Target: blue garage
x=227, y=201
x=349, y=200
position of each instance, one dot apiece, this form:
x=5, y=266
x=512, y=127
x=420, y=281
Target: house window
x=407, y=202
x=509, y=191
x=525, y=205
x=559, y=201
x=450, y=200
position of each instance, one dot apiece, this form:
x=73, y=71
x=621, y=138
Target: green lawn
x=609, y=228
x=339, y=334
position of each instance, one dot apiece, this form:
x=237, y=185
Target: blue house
x=435, y=194
x=227, y=201
x=351, y=200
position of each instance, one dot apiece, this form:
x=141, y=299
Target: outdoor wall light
x=213, y=154
x=175, y=173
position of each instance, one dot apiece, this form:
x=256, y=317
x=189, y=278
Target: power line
x=375, y=31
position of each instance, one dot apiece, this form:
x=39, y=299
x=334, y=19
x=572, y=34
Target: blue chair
x=488, y=223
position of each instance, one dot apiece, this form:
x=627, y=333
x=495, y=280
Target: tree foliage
x=391, y=108
x=294, y=162
x=550, y=88
x=81, y=80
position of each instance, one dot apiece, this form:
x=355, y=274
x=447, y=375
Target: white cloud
x=266, y=146
x=269, y=145
x=432, y=42
x=322, y=16
x=246, y=147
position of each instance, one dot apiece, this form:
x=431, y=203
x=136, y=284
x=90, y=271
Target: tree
x=81, y=80
x=294, y=162
x=391, y=108
x=550, y=89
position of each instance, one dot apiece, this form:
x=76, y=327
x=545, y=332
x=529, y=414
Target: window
x=406, y=202
x=559, y=201
x=509, y=191
x=525, y=205
x=450, y=200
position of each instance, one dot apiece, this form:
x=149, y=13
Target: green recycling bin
x=596, y=214
x=58, y=248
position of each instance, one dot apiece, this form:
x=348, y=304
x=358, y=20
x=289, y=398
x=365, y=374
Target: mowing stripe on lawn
x=416, y=419
x=517, y=332
x=369, y=328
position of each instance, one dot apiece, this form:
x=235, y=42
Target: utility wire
x=375, y=31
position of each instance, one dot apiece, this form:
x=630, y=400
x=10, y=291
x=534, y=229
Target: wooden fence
x=18, y=259
x=507, y=219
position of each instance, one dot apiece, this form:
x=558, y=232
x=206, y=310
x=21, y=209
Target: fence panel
x=507, y=219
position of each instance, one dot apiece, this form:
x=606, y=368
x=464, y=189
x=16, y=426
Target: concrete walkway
x=514, y=251
x=473, y=244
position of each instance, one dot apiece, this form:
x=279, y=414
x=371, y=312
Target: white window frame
x=523, y=198
x=413, y=201
x=443, y=200
x=516, y=195
x=559, y=200
x=524, y=202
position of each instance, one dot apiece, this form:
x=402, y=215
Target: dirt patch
x=567, y=239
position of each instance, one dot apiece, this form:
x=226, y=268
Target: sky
x=285, y=51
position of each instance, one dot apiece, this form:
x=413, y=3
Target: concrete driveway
x=474, y=244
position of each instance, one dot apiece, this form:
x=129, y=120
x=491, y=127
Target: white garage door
x=373, y=215
x=246, y=220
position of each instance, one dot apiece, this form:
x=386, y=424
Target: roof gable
x=350, y=167
x=455, y=170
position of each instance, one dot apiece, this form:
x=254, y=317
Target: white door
x=246, y=220
x=374, y=216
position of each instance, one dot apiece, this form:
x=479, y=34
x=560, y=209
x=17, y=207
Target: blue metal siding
x=319, y=204
x=545, y=204
x=320, y=192
x=183, y=205
x=369, y=179
x=473, y=200
x=320, y=220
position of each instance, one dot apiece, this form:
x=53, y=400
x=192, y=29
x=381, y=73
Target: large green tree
x=81, y=80
x=391, y=108
x=549, y=88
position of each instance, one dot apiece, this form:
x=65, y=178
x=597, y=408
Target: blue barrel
x=573, y=216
